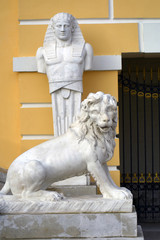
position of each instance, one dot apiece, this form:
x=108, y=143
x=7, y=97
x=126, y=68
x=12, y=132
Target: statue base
x=74, y=190
x=72, y=218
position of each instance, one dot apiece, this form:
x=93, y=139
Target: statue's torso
x=62, y=66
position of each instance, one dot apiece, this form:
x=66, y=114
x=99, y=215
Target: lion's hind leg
x=35, y=181
x=5, y=189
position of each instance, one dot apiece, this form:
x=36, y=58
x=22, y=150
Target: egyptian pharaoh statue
x=64, y=57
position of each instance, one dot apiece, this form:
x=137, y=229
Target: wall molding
x=110, y=20
x=36, y=105
x=100, y=63
x=37, y=137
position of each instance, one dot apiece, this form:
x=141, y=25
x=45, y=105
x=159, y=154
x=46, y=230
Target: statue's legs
x=65, y=107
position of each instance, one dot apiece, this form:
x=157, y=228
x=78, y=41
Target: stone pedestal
x=75, y=190
x=72, y=218
x=83, y=180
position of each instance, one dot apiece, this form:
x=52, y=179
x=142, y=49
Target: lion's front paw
x=119, y=193
x=128, y=192
x=53, y=196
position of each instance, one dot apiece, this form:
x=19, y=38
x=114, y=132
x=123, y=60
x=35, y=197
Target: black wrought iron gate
x=139, y=114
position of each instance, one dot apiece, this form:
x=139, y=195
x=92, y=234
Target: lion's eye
x=109, y=109
x=95, y=112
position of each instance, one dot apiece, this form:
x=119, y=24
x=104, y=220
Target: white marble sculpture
x=63, y=57
x=86, y=147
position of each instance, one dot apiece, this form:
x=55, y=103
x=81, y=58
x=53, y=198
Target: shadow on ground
x=151, y=231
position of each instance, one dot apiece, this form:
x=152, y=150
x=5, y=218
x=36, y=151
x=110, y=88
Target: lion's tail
x=5, y=189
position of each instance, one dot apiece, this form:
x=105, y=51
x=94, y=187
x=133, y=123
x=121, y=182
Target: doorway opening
x=139, y=118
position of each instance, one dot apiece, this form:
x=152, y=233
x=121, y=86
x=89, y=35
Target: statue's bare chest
x=63, y=55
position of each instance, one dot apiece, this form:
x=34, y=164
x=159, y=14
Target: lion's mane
x=85, y=128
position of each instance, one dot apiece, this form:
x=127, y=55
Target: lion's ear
x=86, y=104
x=84, y=107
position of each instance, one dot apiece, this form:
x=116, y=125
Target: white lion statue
x=86, y=147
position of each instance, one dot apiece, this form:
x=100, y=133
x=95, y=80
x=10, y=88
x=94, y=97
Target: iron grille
x=139, y=114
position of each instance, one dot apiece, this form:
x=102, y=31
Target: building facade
x=116, y=29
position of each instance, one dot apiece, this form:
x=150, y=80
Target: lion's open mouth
x=104, y=129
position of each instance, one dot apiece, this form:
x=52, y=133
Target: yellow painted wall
x=40, y=9
x=36, y=121
x=136, y=9
x=9, y=96
x=106, y=81
x=116, y=177
x=21, y=88
x=106, y=39
x=34, y=86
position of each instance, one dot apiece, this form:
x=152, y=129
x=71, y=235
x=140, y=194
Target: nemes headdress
x=63, y=16
x=77, y=37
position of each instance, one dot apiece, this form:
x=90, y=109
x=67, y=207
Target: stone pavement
x=151, y=231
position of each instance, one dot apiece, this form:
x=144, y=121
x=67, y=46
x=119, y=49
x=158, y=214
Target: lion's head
x=98, y=116
x=101, y=110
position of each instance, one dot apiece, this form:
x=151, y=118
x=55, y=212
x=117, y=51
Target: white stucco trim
x=109, y=20
x=24, y=64
x=111, y=9
x=113, y=168
x=141, y=39
x=36, y=105
x=36, y=137
x=151, y=37
x=110, y=62
x=100, y=63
